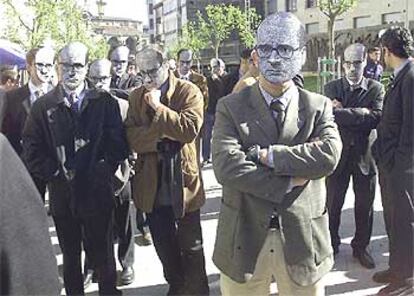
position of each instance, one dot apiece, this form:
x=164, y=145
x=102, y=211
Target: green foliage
x=332, y=9
x=216, y=25
x=62, y=21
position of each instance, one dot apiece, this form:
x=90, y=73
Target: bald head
x=280, y=50
x=100, y=73
x=119, y=60
x=354, y=62
x=72, y=67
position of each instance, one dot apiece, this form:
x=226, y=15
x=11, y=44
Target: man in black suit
x=18, y=102
x=122, y=83
x=74, y=140
x=394, y=154
x=357, y=109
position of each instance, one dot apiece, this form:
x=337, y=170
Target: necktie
x=73, y=101
x=38, y=93
x=279, y=108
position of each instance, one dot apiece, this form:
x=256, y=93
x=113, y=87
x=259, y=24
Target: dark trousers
x=207, y=134
x=397, y=189
x=41, y=187
x=179, y=245
x=124, y=228
x=97, y=232
x=364, y=190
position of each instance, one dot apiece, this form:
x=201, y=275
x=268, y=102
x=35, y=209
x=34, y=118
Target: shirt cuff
x=270, y=162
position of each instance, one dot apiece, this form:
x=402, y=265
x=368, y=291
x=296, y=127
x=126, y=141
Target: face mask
x=44, y=65
x=72, y=65
x=280, y=52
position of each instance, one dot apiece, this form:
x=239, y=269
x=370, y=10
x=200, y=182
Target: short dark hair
x=373, y=49
x=398, y=41
x=183, y=50
x=245, y=54
x=7, y=74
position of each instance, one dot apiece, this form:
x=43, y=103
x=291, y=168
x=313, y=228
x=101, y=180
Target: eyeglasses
x=354, y=63
x=119, y=62
x=100, y=79
x=283, y=50
x=76, y=66
x=150, y=73
x=43, y=66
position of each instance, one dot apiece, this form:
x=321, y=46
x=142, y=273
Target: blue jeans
x=207, y=132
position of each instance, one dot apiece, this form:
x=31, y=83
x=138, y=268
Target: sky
x=134, y=9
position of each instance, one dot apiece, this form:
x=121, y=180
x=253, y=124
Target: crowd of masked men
x=119, y=143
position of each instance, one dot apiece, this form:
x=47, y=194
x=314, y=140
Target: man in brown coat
x=163, y=121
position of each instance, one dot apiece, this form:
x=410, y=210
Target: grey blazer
x=308, y=146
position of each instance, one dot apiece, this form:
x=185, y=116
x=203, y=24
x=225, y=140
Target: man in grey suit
x=273, y=145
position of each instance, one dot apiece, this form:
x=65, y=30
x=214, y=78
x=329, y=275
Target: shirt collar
x=78, y=91
x=399, y=68
x=285, y=98
x=363, y=83
x=187, y=77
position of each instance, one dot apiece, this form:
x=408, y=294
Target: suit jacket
x=252, y=192
x=201, y=83
x=216, y=90
x=180, y=120
x=127, y=83
x=356, y=127
x=16, y=107
x=76, y=153
x=23, y=221
x=393, y=149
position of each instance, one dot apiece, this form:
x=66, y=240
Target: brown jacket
x=179, y=120
x=201, y=83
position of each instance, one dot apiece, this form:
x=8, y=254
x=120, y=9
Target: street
x=347, y=277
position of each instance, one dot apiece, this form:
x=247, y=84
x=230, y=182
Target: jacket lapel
x=262, y=114
x=26, y=98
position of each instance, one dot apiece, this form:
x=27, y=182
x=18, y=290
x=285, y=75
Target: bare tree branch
x=8, y=3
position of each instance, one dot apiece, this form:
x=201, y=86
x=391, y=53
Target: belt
x=274, y=222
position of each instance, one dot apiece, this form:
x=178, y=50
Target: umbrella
x=11, y=54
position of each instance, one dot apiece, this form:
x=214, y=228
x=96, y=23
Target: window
x=291, y=5
x=393, y=17
x=312, y=28
x=362, y=21
x=339, y=24
x=311, y=3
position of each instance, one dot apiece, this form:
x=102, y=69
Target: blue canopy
x=12, y=54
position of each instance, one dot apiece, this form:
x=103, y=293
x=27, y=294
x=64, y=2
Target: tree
x=221, y=20
x=61, y=21
x=332, y=9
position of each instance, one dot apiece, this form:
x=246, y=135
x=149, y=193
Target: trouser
x=207, y=133
x=364, y=190
x=270, y=263
x=398, y=191
x=386, y=208
x=41, y=187
x=124, y=228
x=179, y=245
x=96, y=230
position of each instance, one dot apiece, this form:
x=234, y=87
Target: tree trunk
x=331, y=35
x=216, y=49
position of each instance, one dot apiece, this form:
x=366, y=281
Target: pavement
x=346, y=278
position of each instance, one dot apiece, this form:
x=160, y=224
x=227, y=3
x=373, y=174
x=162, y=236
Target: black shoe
x=364, y=258
x=383, y=276
x=127, y=275
x=88, y=278
x=398, y=288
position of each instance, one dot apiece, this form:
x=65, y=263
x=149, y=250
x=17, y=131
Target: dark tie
x=72, y=101
x=38, y=94
x=279, y=108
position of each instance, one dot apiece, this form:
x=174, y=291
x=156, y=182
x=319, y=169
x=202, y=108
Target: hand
x=365, y=111
x=252, y=154
x=337, y=104
x=152, y=98
x=298, y=181
x=263, y=156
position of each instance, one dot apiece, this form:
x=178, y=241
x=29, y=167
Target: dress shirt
x=398, y=69
x=80, y=95
x=35, y=90
x=291, y=92
x=185, y=77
